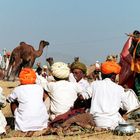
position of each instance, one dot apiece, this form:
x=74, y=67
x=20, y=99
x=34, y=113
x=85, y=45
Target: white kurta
x=3, y=122
x=62, y=96
x=71, y=78
x=107, y=98
x=86, y=92
x=31, y=114
x=133, y=101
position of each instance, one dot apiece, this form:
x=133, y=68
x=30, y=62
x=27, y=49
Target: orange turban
x=27, y=76
x=109, y=67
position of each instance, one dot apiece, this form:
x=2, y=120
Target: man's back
x=106, y=101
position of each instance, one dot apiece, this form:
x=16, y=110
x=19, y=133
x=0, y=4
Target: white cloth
x=0, y=60
x=71, y=78
x=7, y=63
x=107, y=98
x=3, y=122
x=31, y=114
x=62, y=96
x=40, y=80
x=2, y=98
x=133, y=101
x=86, y=88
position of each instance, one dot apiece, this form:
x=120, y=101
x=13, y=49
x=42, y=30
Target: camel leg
x=7, y=73
x=15, y=69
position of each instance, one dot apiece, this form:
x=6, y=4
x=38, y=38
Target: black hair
x=136, y=32
x=111, y=76
x=58, y=79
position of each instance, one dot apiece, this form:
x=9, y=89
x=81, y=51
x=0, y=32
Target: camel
x=23, y=55
x=50, y=61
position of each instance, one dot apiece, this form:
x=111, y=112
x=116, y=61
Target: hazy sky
x=90, y=29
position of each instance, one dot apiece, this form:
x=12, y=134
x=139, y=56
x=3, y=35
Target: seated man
x=27, y=103
x=62, y=93
x=79, y=72
x=108, y=97
x=3, y=122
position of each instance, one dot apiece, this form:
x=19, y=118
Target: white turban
x=60, y=70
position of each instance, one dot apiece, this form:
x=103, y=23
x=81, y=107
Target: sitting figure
x=108, y=97
x=3, y=122
x=79, y=71
x=62, y=93
x=27, y=104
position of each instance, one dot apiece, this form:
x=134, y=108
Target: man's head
x=60, y=70
x=79, y=70
x=27, y=76
x=136, y=37
x=110, y=69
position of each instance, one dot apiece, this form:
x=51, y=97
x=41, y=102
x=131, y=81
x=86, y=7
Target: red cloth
x=126, y=76
x=61, y=118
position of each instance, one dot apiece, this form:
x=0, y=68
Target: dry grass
x=8, y=86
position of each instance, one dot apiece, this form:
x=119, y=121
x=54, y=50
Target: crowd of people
x=105, y=97
x=45, y=96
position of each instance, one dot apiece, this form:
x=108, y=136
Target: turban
x=27, y=76
x=109, y=67
x=60, y=70
x=79, y=65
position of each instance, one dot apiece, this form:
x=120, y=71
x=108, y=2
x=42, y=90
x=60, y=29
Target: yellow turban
x=60, y=70
x=109, y=67
x=79, y=65
x=27, y=76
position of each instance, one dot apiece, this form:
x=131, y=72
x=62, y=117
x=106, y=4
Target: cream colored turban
x=60, y=70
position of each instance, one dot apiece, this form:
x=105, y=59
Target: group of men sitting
x=66, y=93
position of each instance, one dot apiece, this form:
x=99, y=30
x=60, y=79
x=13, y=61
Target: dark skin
x=78, y=74
x=80, y=102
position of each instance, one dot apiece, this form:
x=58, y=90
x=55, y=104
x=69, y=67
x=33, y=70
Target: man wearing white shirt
x=108, y=97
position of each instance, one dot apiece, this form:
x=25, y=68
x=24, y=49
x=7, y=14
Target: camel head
x=50, y=60
x=43, y=43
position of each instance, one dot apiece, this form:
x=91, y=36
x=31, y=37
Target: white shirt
x=107, y=98
x=62, y=96
x=3, y=122
x=71, y=78
x=31, y=114
x=86, y=88
x=133, y=101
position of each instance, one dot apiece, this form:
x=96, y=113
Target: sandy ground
x=8, y=87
